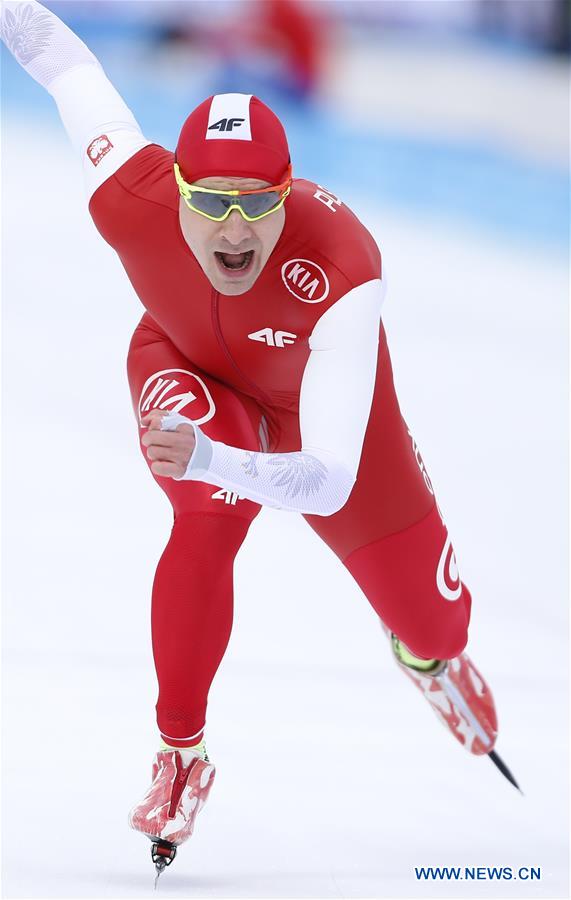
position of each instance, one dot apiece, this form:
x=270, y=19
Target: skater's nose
x=235, y=229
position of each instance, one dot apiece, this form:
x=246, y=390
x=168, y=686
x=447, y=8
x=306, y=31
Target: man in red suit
x=260, y=375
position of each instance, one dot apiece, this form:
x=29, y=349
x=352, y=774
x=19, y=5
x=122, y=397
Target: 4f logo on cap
x=229, y=118
x=305, y=280
x=226, y=124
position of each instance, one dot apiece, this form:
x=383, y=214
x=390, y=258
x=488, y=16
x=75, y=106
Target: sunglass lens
x=258, y=204
x=214, y=205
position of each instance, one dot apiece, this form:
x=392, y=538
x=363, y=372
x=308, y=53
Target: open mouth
x=235, y=262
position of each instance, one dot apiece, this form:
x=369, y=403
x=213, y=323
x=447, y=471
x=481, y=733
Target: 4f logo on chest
x=273, y=338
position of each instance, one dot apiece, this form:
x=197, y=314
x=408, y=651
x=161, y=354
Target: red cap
x=234, y=135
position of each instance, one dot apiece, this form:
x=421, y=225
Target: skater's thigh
x=391, y=537
x=160, y=377
x=392, y=490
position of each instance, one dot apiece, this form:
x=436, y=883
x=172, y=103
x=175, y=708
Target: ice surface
x=334, y=777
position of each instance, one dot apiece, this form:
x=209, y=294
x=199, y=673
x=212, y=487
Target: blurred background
x=445, y=126
x=430, y=101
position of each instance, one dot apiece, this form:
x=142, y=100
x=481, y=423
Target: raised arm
x=335, y=404
x=99, y=123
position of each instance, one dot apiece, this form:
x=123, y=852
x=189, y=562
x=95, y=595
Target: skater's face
x=231, y=253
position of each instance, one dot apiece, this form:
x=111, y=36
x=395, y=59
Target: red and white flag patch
x=99, y=148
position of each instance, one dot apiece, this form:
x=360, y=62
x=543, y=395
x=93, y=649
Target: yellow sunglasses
x=217, y=205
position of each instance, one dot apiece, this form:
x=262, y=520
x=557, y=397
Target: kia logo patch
x=305, y=280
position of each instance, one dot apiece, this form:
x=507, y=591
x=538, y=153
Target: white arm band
x=99, y=123
x=335, y=403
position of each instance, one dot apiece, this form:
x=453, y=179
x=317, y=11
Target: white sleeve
x=99, y=123
x=335, y=404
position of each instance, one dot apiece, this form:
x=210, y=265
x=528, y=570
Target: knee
x=441, y=636
x=441, y=645
x=209, y=536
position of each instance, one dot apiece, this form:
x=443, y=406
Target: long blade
x=498, y=761
x=160, y=868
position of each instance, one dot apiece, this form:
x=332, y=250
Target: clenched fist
x=170, y=451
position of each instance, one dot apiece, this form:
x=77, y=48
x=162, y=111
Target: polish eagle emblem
x=299, y=473
x=26, y=32
x=98, y=146
x=249, y=464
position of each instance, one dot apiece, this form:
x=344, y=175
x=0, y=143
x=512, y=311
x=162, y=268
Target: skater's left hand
x=170, y=451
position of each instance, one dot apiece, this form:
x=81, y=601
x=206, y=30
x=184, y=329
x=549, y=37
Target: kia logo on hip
x=305, y=280
x=177, y=391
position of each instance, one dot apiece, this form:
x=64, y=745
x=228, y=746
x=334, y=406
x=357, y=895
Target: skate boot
x=459, y=696
x=168, y=811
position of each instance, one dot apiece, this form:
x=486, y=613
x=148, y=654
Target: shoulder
x=321, y=225
x=139, y=188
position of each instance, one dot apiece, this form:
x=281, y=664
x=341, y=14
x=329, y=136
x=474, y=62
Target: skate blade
x=500, y=764
x=160, y=869
x=162, y=853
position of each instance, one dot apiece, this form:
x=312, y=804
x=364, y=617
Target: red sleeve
x=327, y=229
x=124, y=204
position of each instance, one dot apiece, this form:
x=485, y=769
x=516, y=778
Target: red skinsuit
x=389, y=535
